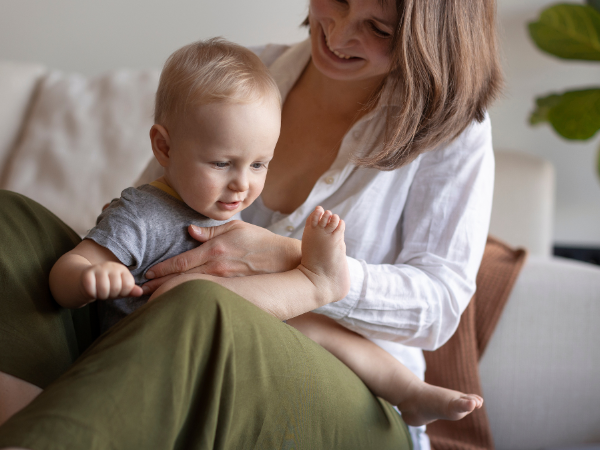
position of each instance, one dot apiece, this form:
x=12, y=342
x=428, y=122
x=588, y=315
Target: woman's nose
x=342, y=30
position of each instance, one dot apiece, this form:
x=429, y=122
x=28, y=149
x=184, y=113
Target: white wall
x=530, y=73
x=94, y=36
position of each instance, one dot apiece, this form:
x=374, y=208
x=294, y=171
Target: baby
x=217, y=121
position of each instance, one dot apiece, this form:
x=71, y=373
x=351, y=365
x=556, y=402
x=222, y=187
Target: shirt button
x=329, y=180
x=290, y=228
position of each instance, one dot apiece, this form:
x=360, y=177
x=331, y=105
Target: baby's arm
x=90, y=272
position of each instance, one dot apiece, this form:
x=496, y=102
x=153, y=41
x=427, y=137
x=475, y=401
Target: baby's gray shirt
x=142, y=228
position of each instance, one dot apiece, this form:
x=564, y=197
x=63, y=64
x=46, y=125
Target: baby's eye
x=257, y=165
x=221, y=165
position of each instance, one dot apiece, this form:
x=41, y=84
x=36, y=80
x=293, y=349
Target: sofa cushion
x=85, y=141
x=540, y=373
x=17, y=87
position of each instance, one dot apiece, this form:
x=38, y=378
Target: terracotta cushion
x=455, y=364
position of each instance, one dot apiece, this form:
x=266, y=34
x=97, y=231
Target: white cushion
x=522, y=213
x=541, y=371
x=85, y=141
x=17, y=86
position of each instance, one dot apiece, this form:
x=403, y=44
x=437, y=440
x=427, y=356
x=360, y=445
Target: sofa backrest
x=18, y=83
x=84, y=141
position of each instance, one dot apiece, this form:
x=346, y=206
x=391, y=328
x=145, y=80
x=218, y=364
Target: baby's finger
x=115, y=284
x=136, y=291
x=88, y=283
x=102, y=284
x=127, y=284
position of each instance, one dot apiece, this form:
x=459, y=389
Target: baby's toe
x=333, y=223
x=341, y=227
x=466, y=403
x=325, y=219
x=315, y=216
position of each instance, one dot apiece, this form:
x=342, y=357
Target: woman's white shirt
x=414, y=236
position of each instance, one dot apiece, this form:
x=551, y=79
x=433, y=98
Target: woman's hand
x=233, y=249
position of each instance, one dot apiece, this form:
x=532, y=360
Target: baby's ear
x=161, y=144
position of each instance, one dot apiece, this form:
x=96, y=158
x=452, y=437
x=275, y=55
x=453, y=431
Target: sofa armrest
x=541, y=370
x=523, y=209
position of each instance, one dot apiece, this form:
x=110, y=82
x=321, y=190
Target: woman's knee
x=206, y=301
x=13, y=202
x=8, y=196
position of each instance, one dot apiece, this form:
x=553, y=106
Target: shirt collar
x=288, y=67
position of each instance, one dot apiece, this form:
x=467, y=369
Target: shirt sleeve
x=418, y=300
x=120, y=230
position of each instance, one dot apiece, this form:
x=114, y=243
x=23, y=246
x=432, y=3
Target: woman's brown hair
x=444, y=74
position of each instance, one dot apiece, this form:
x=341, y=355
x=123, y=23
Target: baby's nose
x=239, y=184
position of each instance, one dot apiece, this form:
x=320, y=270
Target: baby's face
x=220, y=153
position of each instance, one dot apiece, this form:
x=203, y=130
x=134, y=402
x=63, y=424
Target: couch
x=73, y=142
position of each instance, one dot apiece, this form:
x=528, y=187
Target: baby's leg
x=321, y=278
x=419, y=402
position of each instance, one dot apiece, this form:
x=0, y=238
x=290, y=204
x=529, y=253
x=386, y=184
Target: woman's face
x=351, y=39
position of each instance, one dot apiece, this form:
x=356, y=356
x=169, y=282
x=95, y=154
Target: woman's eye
x=380, y=32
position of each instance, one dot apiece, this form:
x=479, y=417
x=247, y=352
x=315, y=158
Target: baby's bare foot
x=431, y=403
x=324, y=255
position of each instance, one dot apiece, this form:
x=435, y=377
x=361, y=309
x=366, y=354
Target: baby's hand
x=109, y=280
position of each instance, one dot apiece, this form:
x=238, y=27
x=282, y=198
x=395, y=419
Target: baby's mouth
x=230, y=205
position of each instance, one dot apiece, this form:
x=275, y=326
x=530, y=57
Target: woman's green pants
x=198, y=368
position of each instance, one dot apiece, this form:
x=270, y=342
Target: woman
x=384, y=123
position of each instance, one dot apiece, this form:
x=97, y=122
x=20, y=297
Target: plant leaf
x=573, y=114
x=544, y=104
x=568, y=31
x=594, y=4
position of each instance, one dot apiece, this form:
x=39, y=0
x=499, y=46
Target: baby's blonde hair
x=211, y=71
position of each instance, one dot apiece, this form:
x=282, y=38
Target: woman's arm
x=419, y=298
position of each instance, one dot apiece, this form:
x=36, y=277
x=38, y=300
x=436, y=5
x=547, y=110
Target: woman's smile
x=347, y=43
x=336, y=56
x=335, y=52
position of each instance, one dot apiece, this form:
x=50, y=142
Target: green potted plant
x=570, y=31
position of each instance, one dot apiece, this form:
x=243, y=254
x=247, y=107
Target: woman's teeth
x=336, y=53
